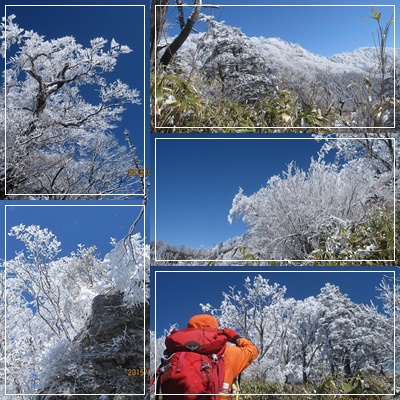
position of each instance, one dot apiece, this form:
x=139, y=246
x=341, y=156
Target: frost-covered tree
x=229, y=57
x=377, y=153
x=302, y=212
x=254, y=313
x=49, y=299
x=389, y=293
x=306, y=343
x=355, y=336
x=57, y=142
x=303, y=340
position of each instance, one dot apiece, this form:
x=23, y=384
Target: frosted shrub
x=288, y=216
x=303, y=340
x=126, y=265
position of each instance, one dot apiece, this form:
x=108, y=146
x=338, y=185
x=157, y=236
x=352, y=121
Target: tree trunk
x=304, y=367
x=157, y=21
x=347, y=367
x=183, y=35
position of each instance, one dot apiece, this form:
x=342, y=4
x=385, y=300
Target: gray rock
x=107, y=356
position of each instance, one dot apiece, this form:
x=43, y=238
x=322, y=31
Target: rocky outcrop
x=107, y=356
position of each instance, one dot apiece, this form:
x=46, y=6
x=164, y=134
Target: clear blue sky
x=178, y=294
x=198, y=179
x=325, y=30
x=124, y=24
x=73, y=223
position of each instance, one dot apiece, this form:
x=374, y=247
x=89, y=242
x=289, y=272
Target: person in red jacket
x=238, y=357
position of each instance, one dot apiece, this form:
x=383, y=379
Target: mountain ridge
x=244, y=63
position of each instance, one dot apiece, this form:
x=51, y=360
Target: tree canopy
x=58, y=142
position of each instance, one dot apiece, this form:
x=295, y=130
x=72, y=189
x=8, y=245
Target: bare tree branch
x=183, y=35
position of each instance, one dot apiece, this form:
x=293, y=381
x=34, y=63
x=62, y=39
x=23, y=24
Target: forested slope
x=223, y=78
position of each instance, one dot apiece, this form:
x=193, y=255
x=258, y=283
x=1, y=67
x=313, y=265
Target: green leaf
x=376, y=15
x=281, y=103
x=178, y=81
x=347, y=388
x=159, y=97
x=319, y=122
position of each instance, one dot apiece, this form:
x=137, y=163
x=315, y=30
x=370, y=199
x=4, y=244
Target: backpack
x=193, y=364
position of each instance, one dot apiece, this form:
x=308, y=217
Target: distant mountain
x=364, y=59
x=332, y=77
x=249, y=69
x=287, y=55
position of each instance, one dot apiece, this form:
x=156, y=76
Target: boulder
x=106, y=358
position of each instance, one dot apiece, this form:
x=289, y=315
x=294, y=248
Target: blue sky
x=73, y=223
x=322, y=29
x=124, y=24
x=198, y=179
x=178, y=294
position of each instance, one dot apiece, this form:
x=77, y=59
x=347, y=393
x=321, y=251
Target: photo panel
x=75, y=299
x=317, y=331
x=259, y=67
x=304, y=201
x=75, y=115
